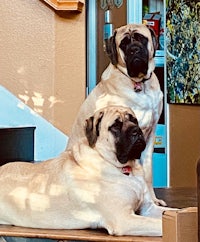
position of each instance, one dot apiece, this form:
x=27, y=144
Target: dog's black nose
x=134, y=50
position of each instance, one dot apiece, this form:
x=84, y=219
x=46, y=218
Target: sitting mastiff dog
x=96, y=184
x=128, y=81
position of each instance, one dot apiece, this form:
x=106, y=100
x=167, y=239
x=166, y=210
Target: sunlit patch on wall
x=24, y=97
x=53, y=101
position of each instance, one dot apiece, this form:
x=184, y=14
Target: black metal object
x=16, y=144
x=159, y=150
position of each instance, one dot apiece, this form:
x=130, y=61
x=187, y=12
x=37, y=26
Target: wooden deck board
x=77, y=235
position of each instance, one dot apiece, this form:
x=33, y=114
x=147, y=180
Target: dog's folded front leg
x=146, y=160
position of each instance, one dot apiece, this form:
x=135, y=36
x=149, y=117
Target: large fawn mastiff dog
x=128, y=81
x=96, y=184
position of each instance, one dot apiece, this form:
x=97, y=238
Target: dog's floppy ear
x=111, y=49
x=92, y=129
x=154, y=40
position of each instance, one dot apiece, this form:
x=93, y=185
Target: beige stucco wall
x=70, y=67
x=42, y=58
x=184, y=131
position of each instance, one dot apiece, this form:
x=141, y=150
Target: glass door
x=152, y=13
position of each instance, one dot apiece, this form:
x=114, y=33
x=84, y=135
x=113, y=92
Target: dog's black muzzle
x=136, y=61
x=136, y=54
x=129, y=142
x=130, y=145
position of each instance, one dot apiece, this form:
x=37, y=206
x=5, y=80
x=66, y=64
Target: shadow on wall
x=49, y=141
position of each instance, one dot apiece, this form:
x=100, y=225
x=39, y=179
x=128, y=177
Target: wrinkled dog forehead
x=103, y=119
x=111, y=113
x=128, y=29
x=142, y=29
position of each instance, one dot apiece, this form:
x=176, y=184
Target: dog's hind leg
x=135, y=225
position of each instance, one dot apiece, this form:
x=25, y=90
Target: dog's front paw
x=157, y=201
x=160, y=202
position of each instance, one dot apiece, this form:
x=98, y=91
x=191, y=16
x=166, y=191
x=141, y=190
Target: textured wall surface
x=42, y=60
x=27, y=53
x=70, y=67
x=49, y=142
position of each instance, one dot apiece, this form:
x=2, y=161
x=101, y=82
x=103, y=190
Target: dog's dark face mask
x=129, y=139
x=136, y=55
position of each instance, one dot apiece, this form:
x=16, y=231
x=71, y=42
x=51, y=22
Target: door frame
x=132, y=17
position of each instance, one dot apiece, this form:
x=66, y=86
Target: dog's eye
x=124, y=43
x=141, y=38
x=116, y=127
x=133, y=119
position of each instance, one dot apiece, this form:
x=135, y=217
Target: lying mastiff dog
x=128, y=81
x=96, y=184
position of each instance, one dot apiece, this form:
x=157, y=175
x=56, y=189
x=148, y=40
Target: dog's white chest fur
x=146, y=104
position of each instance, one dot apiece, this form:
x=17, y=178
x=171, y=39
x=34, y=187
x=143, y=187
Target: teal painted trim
x=159, y=167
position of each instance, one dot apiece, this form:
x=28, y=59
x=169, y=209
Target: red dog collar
x=126, y=170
